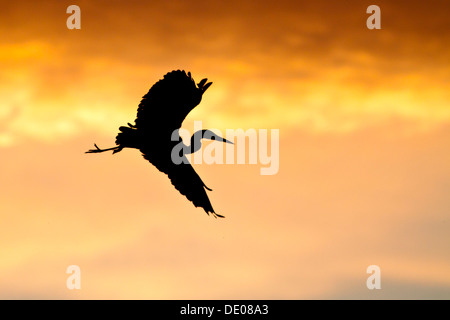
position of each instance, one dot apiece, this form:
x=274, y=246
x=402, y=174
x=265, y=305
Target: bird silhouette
x=155, y=133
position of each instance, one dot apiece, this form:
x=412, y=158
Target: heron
x=160, y=115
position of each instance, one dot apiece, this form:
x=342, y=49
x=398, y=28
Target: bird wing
x=168, y=102
x=185, y=180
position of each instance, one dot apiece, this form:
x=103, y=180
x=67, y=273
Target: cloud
x=291, y=65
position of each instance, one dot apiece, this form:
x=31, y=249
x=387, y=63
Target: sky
x=364, y=132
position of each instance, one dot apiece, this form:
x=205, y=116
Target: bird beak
x=223, y=140
x=202, y=85
x=214, y=137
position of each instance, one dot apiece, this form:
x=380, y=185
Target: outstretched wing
x=169, y=101
x=185, y=180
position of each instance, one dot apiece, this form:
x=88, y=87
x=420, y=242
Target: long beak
x=223, y=140
x=208, y=134
x=218, y=138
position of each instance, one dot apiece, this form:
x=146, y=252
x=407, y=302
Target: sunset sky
x=364, y=161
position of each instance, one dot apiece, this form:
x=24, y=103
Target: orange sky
x=364, y=176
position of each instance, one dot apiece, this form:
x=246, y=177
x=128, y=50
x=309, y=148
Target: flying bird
x=155, y=133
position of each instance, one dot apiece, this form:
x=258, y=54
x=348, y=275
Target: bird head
x=196, y=138
x=208, y=134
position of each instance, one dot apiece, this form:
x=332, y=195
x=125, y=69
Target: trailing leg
x=98, y=150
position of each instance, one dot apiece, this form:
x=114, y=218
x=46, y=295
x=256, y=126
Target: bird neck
x=196, y=143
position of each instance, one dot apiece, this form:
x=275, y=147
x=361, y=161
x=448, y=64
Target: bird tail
x=127, y=137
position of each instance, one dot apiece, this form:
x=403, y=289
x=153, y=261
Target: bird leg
x=216, y=215
x=98, y=150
